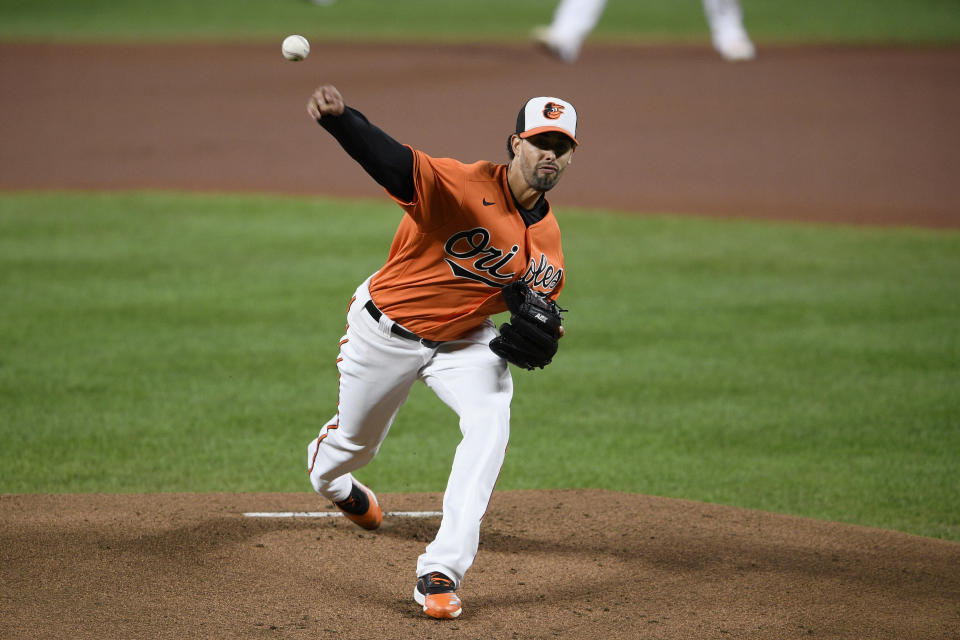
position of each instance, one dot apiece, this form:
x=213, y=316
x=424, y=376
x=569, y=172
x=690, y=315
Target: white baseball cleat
x=735, y=47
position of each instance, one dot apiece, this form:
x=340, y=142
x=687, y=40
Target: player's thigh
x=376, y=373
x=469, y=377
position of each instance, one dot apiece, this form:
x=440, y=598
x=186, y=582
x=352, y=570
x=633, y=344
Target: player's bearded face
x=543, y=158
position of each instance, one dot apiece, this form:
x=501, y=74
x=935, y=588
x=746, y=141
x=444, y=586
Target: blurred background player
x=573, y=20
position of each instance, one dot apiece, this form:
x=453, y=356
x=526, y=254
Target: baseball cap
x=544, y=114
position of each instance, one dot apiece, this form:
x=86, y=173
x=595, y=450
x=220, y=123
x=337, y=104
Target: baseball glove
x=532, y=336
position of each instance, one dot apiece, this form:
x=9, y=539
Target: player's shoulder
x=485, y=170
x=478, y=170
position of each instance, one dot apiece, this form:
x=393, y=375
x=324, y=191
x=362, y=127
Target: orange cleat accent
x=443, y=606
x=361, y=507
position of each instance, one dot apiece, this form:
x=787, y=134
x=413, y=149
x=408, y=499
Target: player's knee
x=493, y=422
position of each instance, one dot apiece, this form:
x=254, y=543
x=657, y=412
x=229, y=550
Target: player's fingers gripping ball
x=532, y=336
x=295, y=48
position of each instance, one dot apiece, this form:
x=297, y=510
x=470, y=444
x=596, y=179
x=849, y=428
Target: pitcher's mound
x=552, y=564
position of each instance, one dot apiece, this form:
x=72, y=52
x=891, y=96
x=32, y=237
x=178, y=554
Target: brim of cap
x=535, y=131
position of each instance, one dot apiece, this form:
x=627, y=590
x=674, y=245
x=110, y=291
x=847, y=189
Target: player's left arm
x=530, y=339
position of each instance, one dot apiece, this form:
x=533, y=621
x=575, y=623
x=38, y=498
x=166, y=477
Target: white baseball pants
x=377, y=370
x=574, y=20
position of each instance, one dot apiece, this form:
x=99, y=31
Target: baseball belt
x=397, y=330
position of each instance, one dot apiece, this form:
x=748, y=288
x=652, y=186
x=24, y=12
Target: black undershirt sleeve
x=389, y=162
x=386, y=160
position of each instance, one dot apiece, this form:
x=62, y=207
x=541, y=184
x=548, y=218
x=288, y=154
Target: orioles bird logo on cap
x=552, y=110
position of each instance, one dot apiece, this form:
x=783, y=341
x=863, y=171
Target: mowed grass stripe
x=168, y=342
x=640, y=21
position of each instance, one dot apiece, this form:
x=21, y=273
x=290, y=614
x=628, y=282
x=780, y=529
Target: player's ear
x=511, y=152
x=515, y=142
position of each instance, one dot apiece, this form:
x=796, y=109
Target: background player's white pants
x=573, y=20
x=729, y=36
x=377, y=370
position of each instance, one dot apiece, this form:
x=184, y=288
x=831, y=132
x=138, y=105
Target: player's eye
x=559, y=144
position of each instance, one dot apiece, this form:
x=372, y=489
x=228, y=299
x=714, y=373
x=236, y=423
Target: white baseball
x=295, y=48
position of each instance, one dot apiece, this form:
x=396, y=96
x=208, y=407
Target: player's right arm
x=386, y=160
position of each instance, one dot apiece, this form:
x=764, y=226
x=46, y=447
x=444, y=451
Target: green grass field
x=769, y=21
x=165, y=342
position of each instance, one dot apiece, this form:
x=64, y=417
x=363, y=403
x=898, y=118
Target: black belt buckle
x=397, y=330
x=429, y=344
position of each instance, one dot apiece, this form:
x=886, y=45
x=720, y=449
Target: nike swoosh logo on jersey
x=488, y=204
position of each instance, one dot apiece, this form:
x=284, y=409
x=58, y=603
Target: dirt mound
x=552, y=564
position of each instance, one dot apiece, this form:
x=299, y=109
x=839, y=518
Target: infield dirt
x=862, y=136
x=552, y=564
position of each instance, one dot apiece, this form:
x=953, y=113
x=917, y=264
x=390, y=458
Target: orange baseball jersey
x=461, y=240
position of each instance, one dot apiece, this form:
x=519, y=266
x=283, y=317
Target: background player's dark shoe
x=436, y=593
x=361, y=507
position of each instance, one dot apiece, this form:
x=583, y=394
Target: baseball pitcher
x=475, y=240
